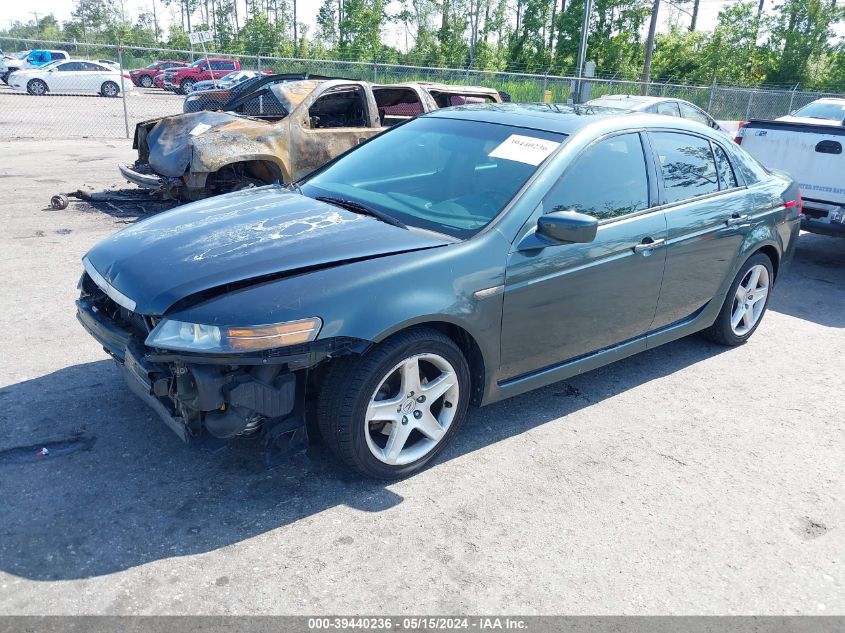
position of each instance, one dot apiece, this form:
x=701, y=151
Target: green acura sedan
x=463, y=257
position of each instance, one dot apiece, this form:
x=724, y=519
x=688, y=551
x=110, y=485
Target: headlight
x=197, y=337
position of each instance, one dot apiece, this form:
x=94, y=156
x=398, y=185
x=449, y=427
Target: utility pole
x=694, y=20
x=295, y=40
x=649, y=47
x=582, y=46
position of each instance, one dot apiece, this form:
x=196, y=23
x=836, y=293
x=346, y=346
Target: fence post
x=375, y=73
x=792, y=96
x=258, y=62
x=710, y=99
x=122, y=90
x=748, y=109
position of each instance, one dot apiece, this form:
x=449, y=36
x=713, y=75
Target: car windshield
x=198, y=63
x=49, y=65
x=820, y=110
x=153, y=65
x=446, y=175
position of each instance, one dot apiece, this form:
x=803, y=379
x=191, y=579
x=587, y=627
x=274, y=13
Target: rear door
x=329, y=122
x=564, y=301
x=67, y=77
x=708, y=213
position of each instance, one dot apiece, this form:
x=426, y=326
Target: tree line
x=788, y=44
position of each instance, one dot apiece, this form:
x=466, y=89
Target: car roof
x=838, y=100
x=566, y=119
x=631, y=101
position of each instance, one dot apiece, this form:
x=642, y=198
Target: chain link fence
x=71, y=112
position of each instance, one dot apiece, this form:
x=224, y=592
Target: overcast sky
x=306, y=10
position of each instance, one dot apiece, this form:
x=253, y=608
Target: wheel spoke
x=429, y=426
x=755, y=277
x=410, y=376
x=384, y=410
x=396, y=441
x=737, y=315
x=437, y=387
x=748, y=317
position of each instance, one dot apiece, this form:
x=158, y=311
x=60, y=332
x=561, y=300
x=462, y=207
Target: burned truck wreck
x=277, y=134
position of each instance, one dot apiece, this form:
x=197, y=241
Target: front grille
x=136, y=323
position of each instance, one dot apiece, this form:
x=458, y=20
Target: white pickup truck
x=811, y=152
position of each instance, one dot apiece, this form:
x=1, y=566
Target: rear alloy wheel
x=186, y=86
x=36, y=87
x=745, y=304
x=146, y=81
x=392, y=411
x=109, y=89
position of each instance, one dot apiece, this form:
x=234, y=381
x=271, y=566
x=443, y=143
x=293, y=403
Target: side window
x=90, y=66
x=70, y=66
x=668, y=108
x=342, y=107
x=608, y=180
x=687, y=165
x=727, y=179
x=396, y=104
x=694, y=114
x=228, y=65
x=746, y=167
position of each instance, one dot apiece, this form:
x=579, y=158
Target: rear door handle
x=648, y=245
x=737, y=219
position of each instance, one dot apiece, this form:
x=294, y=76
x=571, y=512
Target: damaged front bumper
x=142, y=175
x=221, y=396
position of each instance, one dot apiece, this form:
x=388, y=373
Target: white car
x=824, y=111
x=76, y=76
x=660, y=105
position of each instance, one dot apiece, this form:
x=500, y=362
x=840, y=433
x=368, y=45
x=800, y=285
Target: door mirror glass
x=568, y=226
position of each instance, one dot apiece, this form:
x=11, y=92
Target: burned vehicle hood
x=171, y=139
x=237, y=239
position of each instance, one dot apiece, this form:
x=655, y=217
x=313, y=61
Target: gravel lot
x=689, y=479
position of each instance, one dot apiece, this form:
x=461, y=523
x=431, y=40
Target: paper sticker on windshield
x=524, y=149
x=199, y=128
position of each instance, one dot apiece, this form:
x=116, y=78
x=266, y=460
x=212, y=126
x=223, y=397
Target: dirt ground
x=690, y=479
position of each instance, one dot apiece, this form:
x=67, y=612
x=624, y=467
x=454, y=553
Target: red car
x=146, y=76
x=182, y=80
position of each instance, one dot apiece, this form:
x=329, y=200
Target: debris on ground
x=119, y=202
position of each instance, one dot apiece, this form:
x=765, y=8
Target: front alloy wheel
x=391, y=411
x=412, y=409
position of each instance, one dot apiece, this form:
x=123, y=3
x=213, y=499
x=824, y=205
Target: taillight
x=740, y=132
x=126, y=75
x=797, y=203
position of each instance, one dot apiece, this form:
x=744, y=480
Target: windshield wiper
x=357, y=207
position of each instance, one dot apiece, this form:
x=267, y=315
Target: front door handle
x=737, y=219
x=648, y=245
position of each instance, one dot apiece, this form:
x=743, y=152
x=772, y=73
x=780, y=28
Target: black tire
x=186, y=86
x=59, y=202
x=721, y=331
x=146, y=81
x=36, y=87
x=109, y=89
x=349, y=383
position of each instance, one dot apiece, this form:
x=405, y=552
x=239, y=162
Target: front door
x=564, y=301
x=333, y=122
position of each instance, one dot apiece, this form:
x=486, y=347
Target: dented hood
x=240, y=237
x=171, y=140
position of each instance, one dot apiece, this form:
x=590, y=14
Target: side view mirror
x=568, y=226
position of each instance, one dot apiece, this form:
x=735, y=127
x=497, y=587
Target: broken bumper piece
x=198, y=395
x=141, y=175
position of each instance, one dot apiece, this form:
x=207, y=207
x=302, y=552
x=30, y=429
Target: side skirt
x=701, y=319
